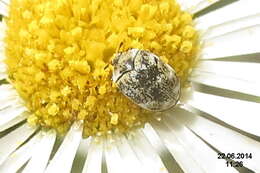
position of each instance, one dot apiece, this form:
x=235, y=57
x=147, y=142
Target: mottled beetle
x=146, y=80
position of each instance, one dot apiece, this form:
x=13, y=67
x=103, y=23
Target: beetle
x=146, y=80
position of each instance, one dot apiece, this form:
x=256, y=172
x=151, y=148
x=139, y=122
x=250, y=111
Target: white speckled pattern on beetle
x=146, y=80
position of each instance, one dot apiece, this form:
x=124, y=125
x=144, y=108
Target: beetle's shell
x=146, y=80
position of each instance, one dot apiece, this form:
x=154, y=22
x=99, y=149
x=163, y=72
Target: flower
x=221, y=115
x=58, y=57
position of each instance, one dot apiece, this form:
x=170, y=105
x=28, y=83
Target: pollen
x=186, y=47
x=136, y=31
x=114, y=119
x=66, y=91
x=59, y=53
x=53, y=109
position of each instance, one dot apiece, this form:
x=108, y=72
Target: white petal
x=17, y=159
x=6, y=102
x=230, y=26
x=146, y=153
x=13, y=140
x=236, y=10
x=63, y=159
x=2, y=71
x=114, y=161
x=198, y=150
x=3, y=9
x=223, y=139
x=6, y=92
x=10, y=101
x=13, y=121
x=2, y=55
x=9, y=113
x=7, y=2
x=81, y=155
x=2, y=36
x=41, y=153
x=94, y=159
x=247, y=72
x=240, y=114
x=196, y=5
x=236, y=76
x=225, y=82
x=184, y=159
x=129, y=157
x=202, y=5
x=239, y=42
x=9, y=96
x=188, y=5
x=2, y=31
x=167, y=158
x=3, y=74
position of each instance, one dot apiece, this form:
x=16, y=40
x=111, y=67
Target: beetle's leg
x=156, y=60
x=106, y=67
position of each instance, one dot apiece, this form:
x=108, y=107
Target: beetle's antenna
x=119, y=47
x=117, y=51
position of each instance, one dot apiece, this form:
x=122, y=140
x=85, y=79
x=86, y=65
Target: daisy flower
x=49, y=122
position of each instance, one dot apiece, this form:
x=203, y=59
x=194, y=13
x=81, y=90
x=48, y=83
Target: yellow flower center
x=59, y=56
